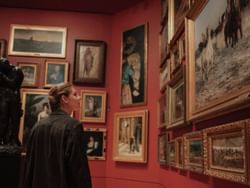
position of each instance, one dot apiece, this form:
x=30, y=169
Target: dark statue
x=11, y=78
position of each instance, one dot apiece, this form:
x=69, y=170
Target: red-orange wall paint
x=110, y=174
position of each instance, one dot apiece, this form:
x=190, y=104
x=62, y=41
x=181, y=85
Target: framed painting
x=30, y=72
x=164, y=44
x=171, y=155
x=93, y=106
x=162, y=147
x=40, y=41
x=179, y=152
x=163, y=109
x=218, y=71
x=35, y=106
x=193, y=151
x=95, y=143
x=89, y=64
x=226, y=152
x=56, y=72
x=134, y=66
x=175, y=61
x=130, y=136
x=2, y=48
x=177, y=104
x=179, y=10
x=164, y=75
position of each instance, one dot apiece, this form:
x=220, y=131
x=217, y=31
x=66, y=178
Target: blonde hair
x=56, y=93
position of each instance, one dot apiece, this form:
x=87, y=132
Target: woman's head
x=64, y=96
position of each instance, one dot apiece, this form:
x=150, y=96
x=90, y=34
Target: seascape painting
x=222, y=55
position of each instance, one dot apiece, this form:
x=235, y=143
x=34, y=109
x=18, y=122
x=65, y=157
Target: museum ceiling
x=90, y=6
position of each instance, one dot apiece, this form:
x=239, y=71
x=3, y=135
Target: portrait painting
x=218, y=68
x=93, y=106
x=30, y=72
x=162, y=148
x=177, y=104
x=89, y=65
x=56, y=72
x=130, y=137
x=95, y=143
x=193, y=151
x=41, y=41
x=171, y=155
x=2, y=48
x=226, y=151
x=35, y=107
x=134, y=66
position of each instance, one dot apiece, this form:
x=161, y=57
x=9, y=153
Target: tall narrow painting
x=134, y=66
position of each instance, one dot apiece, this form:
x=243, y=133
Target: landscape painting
x=221, y=63
x=39, y=41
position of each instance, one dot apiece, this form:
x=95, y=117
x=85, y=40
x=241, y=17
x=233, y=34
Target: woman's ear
x=64, y=99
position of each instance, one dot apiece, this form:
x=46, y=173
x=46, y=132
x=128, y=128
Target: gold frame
x=162, y=147
x=98, y=98
x=164, y=75
x=64, y=74
x=180, y=152
x=230, y=130
x=35, y=66
x=33, y=36
x=172, y=160
x=136, y=51
x=188, y=138
x=25, y=93
x=163, y=109
x=96, y=155
x=124, y=137
x=200, y=106
x=172, y=93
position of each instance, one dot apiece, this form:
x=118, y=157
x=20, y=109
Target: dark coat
x=56, y=156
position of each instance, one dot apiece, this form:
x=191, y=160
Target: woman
x=56, y=156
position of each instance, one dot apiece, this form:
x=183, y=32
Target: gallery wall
x=109, y=173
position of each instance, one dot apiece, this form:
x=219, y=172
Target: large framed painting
x=89, y=64
x=226, y=151
x=56, y=72
x=2, y=48
x=30, y=72
x=41, y=41
x=93, y=106
x=162, y=148
x=130, y=136
x=218, y=66
x=133, y=82
x=95, y=140
x=35, y=106
x=193, y=151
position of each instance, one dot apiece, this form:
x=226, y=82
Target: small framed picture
x=2, y=48
x=130, y=136
x=179, y=152
x=95, y=143
x=162, y=147
x=163, y=110
x=93, y=106
x=193, y=149
x=56, y=72
x=30, y=72
x=171, y=155
x=89, y=65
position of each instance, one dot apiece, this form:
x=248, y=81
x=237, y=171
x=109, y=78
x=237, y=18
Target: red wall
x=108, y=173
